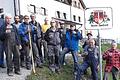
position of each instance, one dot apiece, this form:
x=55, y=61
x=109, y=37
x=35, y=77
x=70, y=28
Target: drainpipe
x=70, y=10
x=19, y=7
x=15, y=7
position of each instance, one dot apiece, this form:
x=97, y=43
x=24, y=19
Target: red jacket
x=112, y=60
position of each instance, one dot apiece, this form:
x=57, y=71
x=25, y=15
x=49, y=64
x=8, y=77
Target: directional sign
x=98, y=18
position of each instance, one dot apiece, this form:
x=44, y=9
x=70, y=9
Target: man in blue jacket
x=71, y=45
x=24, y=30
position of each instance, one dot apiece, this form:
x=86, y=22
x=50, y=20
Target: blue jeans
x=84, y=66
x=74, y=55
x=1, y=53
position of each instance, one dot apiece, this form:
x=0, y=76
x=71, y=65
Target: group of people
x=17, y=39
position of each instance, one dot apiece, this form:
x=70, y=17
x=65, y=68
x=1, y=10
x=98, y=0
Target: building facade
x=66, y=11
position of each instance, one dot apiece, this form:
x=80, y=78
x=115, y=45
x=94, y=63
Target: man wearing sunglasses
x=25, y=29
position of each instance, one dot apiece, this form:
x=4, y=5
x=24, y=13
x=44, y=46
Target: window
x=57, y=0
x=33, y=7
x=69, y=2
x=79, y=5
x=58, y=14
x=2, y=16
x=79, y=19
x=1, y=10
x=66, y=1
x=74, y=17
x=43, y=11
x=64, y=15
x=75, y=4
x=62, y=0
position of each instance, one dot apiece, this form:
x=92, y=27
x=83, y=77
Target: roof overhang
x=64, y=21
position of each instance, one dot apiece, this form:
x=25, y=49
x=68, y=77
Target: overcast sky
x=114, y=33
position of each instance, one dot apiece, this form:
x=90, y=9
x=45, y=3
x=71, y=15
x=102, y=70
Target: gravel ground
x=4, y=76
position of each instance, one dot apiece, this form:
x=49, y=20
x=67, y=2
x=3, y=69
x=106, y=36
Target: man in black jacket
x=52, y=37
x=9, y=34
x=39, y=35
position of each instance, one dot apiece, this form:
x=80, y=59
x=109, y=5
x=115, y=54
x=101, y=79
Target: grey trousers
x=15, y=60
x=36, y=54
x=39, y=45
x=26, y=54
x=45, y=49
x=53, y=54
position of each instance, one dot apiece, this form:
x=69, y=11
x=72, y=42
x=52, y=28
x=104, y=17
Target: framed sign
x=99, y=18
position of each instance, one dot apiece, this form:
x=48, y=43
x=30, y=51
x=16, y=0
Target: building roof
x=82, y=3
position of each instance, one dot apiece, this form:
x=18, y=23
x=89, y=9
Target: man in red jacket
x=112, y=57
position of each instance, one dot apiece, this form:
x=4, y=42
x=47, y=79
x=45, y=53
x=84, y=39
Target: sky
x=113, y=33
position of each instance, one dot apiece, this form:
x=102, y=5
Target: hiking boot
x=18, y=72
x=52, y=68
x=28, y=68
x=40, y=66
x=22, y=64
x=2, y=66
x=10, y=74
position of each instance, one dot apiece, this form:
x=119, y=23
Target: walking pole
x=31, y=52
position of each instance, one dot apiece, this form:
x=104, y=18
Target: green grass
x=66, y=72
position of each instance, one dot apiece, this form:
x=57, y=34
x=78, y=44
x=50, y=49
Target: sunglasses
x=26, y=18
x=16, y=18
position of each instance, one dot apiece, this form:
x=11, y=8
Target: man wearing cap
x=45, y=27
x=86, y=43
x=9, y=34
x=112, y=58
x=89, y=35
x=52, y=36
x=71, y=45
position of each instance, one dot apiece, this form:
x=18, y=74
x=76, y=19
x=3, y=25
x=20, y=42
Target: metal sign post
x=100, y=54
x=99, y=18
